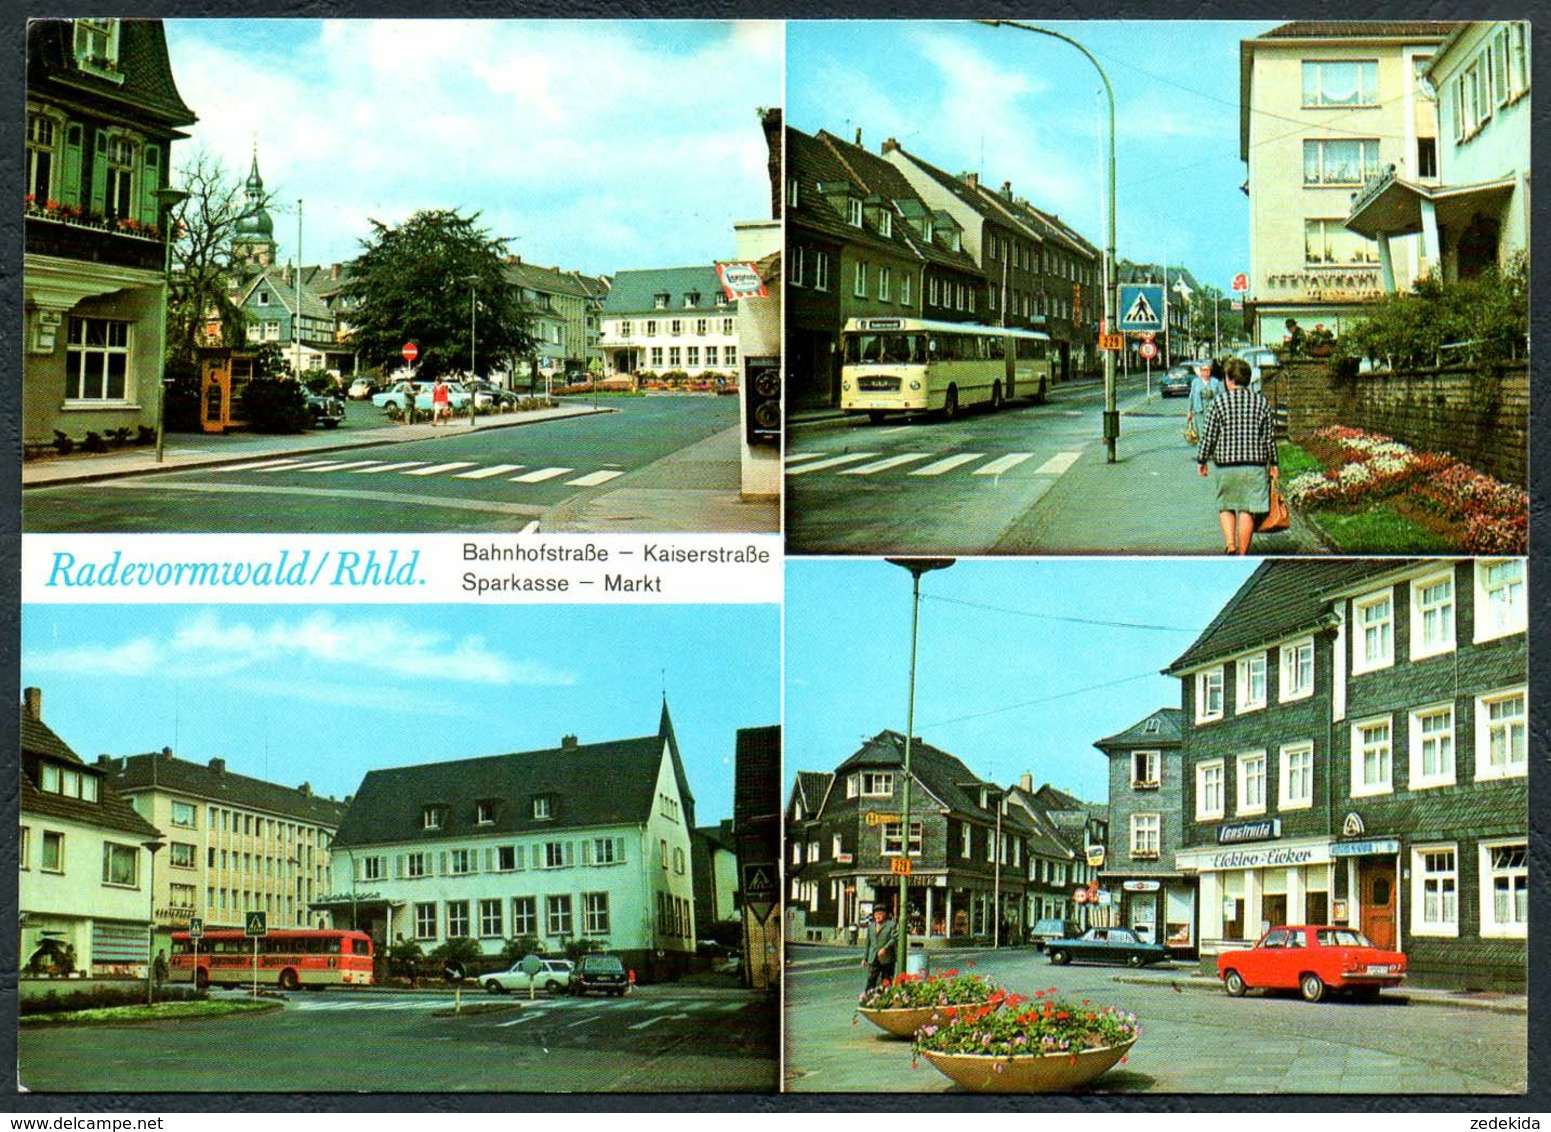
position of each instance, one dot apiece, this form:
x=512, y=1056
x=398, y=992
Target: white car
x=554, y=977
x=1259, y=358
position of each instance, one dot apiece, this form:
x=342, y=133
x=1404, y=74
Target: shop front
x=940, y=909
x=1245, y=890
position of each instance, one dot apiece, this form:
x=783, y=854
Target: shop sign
x=1106, y=897
x=1265, y=858
x=1384, y=847
x=1095, y=856
x=1140, y=886
x=1261, y=830
x=875, y=817
x=1353, y=825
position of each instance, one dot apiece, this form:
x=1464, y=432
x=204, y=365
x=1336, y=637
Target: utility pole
x=296, y=322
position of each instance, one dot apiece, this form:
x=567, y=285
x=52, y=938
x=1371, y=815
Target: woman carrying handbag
x=1237, y=436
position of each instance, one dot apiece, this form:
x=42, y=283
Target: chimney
x=32, y=703
x=859, y=137
x=305, y=790
x=218, y=765
x=889, y=145
x=568, y=743
x=107, y=762
x=333, y=271
x=166, y=752
x=1026, y=783
x=970, y=179
x=1007, y=189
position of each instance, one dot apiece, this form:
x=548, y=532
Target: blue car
x=1106, y=945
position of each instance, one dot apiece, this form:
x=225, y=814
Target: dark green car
x=604, y=973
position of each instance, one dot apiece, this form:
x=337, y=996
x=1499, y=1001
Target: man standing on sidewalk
x=878, y=957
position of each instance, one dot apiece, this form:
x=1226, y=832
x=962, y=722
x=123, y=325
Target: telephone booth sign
x=223, y=378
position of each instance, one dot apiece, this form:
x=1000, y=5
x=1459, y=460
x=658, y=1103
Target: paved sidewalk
x=1494, y=1001
x=193, y=450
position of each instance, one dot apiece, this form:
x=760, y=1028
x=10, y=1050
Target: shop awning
x=1391, y=206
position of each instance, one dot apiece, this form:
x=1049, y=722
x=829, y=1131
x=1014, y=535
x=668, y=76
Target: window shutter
x=443, y=869
x=570, y=852
x=474, y=860
x=100, y=172
x=150, y=181
x=398, y=867
x=360, y=870
x=520, y=855
x=586, y=852
x=619, y=845
x=69, y=188
x=490, y=861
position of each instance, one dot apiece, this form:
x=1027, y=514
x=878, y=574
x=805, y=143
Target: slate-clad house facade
x=1356, y=752
x=583, y=841
x=672, y=319
x=82, y=852
x=102, y=113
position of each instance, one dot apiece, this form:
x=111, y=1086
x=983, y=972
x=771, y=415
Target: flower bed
x=1477, y=513
x=948, y=989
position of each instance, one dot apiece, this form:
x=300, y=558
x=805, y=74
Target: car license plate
x=1378, y=969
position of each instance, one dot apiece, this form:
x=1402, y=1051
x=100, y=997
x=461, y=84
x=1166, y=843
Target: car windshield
x=885, y=349
x=1342, y=937
x=602, y=963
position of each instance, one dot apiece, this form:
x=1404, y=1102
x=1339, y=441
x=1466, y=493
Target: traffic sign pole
x=255, y=966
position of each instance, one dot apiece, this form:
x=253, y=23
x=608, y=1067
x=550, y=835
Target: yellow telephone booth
x=224, y=376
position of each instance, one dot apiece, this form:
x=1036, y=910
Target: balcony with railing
x=77, y=233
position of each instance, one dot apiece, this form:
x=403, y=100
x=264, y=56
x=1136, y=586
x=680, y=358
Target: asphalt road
x=485, y=480
x=1194, y=1040
x=921, y=485
x=657, y=1039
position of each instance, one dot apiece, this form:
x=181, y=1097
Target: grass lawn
x=1294, y=461
x=160, y=1012
x=1378, y=530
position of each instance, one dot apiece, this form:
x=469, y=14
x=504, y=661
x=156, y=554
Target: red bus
x=288, y=959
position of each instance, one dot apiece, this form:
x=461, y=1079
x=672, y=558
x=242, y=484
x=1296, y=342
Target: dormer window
x=96, y=45
x=67, y=781
x=431, y=817
x=928, y=230
x=484, y=813
x=854, y=212
x=543, y=808
x=1151, y=727
x=954, y=244
x=885, y=224
x=692, y=300
x=660, y=301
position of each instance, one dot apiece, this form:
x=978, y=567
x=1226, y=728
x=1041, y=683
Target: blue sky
x=981, y=670
x=324, y=693
x=597, y=145
x=1028, y=109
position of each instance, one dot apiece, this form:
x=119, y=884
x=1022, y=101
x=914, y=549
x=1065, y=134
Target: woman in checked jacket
x=1238, y=438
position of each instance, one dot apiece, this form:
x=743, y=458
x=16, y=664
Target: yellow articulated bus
x=915, y=365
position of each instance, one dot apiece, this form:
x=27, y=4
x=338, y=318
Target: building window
x=457, y=918
x=1500, y=735
x=678, y=858
x=184, y=815
x=890, y=847
x=854, y=212
x=877, y=784
x=96, y=44
x=885, y=224
x=1371, y=758
x=1329, y=243
x=1144, y=769
x=1432, y=615
x=1373, y=644
x=793, y=192
x=490, y=926
x=1297, y=670
x=42, y=147
x=934, y=291
x=692, y=355
x=904, y=288
x=557, y=915
x=794, y=265
x=53, y=852
x=1252, y=783
x=1145, y=831
x=1209, y=791
x=120, y=865
x=1297, y=777
x=1341, y=83
x=964, y=841
x=595, y=913
x=624, y=328
x=1504, y=889
x=727, y=329
x=97, y=360
x=462, y=861
x=524, y=916
x=543, y=808
x=431, y=817
x=711, y=353
x=557, y=854
x=425, y=921
x=182, y=855
x=1426, y=157
x=656, y=356
x=1500, y=608
x=371, y=868
x=415, y=866
x=1435, y=890
x=1209, y=695
x=859, y=280
x=123, y=159
x=1340, y=161
x=1250, y=684
x=660, y=301
x=1432, y=746
x=675, y=353
x=820, y=273
x=885, y=284
x=834, y=847
x=651, y=328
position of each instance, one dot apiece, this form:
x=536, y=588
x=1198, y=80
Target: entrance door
x=1376, y=888
x=1144, y=918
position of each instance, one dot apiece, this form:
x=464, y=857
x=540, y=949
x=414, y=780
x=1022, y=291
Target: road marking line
x=886, y=464
x=342, y=467
x=435, y=468
x=593, y=479
x=832, y=462
x=1006, y=463
x=793, y=457
x=583, y=1022
x=486, y=473
x=387, y=468
x=541, y=475
x=730, y=1007
x=531, y=529
x=256, y=467
x=293, y=467
x=948, y=465
x=892, y=431
x=525, y=1017
x=1057, y=464
x=656, y=1019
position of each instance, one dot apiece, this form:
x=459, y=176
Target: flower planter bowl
x=900, y=1021
x=1026, y=1073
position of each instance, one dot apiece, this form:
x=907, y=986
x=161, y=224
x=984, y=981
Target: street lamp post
x=152, y=847
x=473, y=282
x=1111, y=323
x=996, y=884
x=166, y=199
x=917, y=567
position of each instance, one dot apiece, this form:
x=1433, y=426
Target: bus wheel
x=996, y=396
x=1039, y=398
x=877, y=418
x=950, y=403
x=288, y=980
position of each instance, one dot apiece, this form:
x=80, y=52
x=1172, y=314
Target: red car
x=1313, y=960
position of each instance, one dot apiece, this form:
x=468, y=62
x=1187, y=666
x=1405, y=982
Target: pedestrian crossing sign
x=1141, y=307
x=257, y=924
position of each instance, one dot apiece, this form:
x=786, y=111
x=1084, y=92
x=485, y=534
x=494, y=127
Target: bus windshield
x=885, y=349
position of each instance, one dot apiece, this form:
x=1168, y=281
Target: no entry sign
x=410, y=352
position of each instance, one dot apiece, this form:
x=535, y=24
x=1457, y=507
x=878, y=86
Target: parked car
x=603, y=973
x=396, y=396
x=361, y=389
x=1046, y=930
x=554, y=977
x=1312, y=960
x=487, y=394
x=325, y=410
x=1106, y=945
x=1176, y=383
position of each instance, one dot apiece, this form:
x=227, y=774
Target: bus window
x=332, y=945
x=181, y=947
x=1031, y=349
x=361, y=946
x=883, y=349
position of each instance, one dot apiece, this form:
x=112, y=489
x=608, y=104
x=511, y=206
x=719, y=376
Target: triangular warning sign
x=756, y=879
x=1141, y=310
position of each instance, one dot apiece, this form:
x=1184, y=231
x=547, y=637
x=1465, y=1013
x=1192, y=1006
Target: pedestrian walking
x=441, y=407
x=880, y=951
x=1237, y=437
x=1203, y=391
x=408, y=390
x=159, y=968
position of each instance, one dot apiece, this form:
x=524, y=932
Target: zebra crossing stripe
x=342, y=467
x=434, y=469
x=793, y=457
x=832, y=462
x=948, y=465
x=885, y=465
x=1057, y=464
x=594, y=479
x=486, y=473
x=541, y=475
x=387, y=468
x=295, y=467
x=1006, y=463
x=261, y=465
x=525, y=1016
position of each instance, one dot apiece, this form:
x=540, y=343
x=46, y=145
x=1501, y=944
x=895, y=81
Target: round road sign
x=1149, y=350
x=410, y=352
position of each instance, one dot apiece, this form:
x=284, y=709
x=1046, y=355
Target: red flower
x=950, y=972
x=1062, y=1016
x=1039, y=994
x=971, y=963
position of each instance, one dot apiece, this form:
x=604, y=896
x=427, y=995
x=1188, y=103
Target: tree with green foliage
x=576, y=948
x=1230, y=323
x=1486, y=317
x=412, y=284
x=520, y=947
x=403, y=956
x=460, y=948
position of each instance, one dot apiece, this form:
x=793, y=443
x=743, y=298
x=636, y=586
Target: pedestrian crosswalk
x=916, y=465
x=457, y=469
x=528, y=1011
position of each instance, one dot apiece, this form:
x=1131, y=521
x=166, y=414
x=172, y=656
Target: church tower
x=253, y=240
